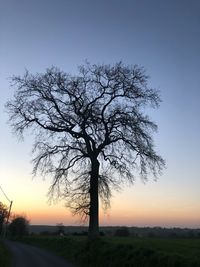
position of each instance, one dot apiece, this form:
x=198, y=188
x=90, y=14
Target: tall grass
x=4, y=255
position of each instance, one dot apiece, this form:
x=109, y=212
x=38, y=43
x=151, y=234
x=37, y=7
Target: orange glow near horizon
x=117, y=215
x=151, y=204
x=54, y=215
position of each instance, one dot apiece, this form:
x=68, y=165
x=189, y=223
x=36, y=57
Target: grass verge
x=125, y=252
x=5, y=256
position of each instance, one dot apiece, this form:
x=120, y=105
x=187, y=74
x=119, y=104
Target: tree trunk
x=94, y=201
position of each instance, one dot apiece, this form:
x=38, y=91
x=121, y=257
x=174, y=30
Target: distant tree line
x=154, y=232
x=118, y=231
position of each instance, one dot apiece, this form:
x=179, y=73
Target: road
x=30, y=256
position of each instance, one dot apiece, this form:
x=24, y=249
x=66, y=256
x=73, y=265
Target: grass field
x=124, y=252
x=4, y=256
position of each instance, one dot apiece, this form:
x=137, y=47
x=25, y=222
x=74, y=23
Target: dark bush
x=18, y=227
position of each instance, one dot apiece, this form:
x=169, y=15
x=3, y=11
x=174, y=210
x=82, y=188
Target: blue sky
x=164, y=37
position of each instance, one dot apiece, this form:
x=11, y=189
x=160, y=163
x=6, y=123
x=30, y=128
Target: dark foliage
x=5, y=255
x=3, y=216
x=18, y=227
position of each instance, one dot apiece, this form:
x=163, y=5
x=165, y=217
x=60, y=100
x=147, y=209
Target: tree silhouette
x=19, y=226
x=3, y=216
x=91, y=132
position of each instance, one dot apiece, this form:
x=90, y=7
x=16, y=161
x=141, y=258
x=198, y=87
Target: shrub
x=18, y=227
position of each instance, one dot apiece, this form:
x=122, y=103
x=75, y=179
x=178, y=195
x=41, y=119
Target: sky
x=164, y=38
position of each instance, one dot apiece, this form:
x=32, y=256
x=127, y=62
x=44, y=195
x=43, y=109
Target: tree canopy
x=91, y=130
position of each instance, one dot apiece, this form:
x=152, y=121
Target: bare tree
x=91, y=133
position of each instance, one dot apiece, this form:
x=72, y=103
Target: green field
x=123, y=252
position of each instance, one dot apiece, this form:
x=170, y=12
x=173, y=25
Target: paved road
x=30, y=256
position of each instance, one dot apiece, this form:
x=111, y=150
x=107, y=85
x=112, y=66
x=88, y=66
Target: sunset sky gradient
x=164, y=37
